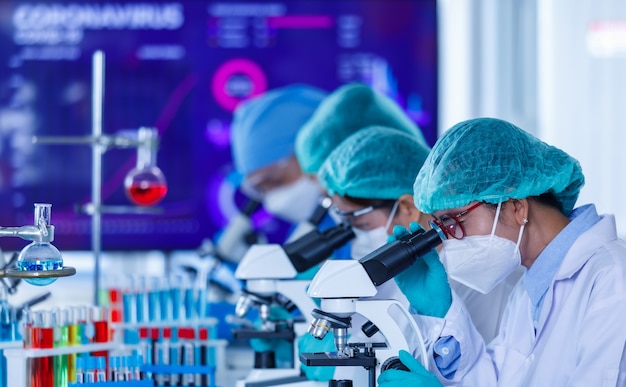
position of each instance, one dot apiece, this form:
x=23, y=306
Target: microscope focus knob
x=393, y=363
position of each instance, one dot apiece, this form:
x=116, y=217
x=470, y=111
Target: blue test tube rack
x=130, y=383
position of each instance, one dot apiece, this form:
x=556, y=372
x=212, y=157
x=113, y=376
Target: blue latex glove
x=416, y=376
x=282, y=348
x=425, y=283
x=309, y=344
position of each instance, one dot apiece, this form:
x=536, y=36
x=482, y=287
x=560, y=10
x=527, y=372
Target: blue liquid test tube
x=153, y=298
x=175, y=356
x=140, y=297
x=175, y=295
x=128, y=300
x=164, y=300
x=190, y=302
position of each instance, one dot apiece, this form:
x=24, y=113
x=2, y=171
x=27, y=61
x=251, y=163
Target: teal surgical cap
x=490, y=160
x=374, y=163
x=264, y=128
x=346, y=110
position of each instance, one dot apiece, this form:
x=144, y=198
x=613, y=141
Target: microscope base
x=277, y=377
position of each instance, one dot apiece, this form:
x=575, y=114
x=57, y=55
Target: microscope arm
x=371, y=310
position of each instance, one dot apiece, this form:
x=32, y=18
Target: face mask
x=295, y=202
x=366, y=241
x=480, y=262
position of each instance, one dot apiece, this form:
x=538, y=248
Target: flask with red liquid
x=145, y=184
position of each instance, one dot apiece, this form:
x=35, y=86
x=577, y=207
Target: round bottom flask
x=39, y=257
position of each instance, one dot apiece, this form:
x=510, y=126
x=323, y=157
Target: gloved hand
x=424, y=283
x=416, y=376
x=309, y=344
x=282, y=348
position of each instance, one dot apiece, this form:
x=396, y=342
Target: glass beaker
x=145, y=184
x=40, y=255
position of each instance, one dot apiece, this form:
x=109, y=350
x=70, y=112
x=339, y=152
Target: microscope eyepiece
x=391, y=259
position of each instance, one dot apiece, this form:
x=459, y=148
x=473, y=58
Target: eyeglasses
x=346, y=215
x=451, y=225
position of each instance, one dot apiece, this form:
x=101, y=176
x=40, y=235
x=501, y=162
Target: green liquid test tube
x=61, y=339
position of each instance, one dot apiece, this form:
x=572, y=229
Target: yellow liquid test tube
x=74, y=334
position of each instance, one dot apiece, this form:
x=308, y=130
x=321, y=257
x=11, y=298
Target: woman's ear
x=520, y=211
x=407, y=212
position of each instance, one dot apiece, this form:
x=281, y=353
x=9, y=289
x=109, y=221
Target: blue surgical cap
x=374, y=163
x=346, y=110
x=264, y=128
x=491, y=160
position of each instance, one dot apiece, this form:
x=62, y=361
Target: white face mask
x=295, y=202
x=480, y=262
x=366, y=241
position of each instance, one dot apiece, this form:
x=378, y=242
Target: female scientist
x=505, y=198
x=372, y=198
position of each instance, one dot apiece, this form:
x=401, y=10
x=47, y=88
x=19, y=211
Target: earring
x=525, y=220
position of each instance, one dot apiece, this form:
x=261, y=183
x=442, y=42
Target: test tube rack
x=17, y=358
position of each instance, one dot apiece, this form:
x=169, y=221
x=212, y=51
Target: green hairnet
x=346, y=110
x=374, y=163
x=491, y=160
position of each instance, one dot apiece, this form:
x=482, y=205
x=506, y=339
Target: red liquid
x=101, y=336
x=146, y=193
x=42, y=371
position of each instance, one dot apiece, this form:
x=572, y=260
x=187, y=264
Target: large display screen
x=180, y=67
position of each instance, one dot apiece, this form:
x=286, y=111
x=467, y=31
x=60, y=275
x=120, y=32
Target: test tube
x=164, y=300
x=99, y=319
x=61, y=339
x=5, y=315
x=188, y=354
x=163, y=356
x=42, y=373
x=90, y=369
x=176, y=283
x=116, y=369
x=140, y=297
x=101, y=369
x=85, y=323
x=189, y=301
x=175, y=352
x=153, y=285
x=202, y=354
x=128, y=299
x=115, y=301
x=74, y=339
x=80, y=369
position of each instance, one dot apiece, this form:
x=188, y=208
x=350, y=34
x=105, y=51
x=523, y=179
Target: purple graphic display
x=181, y=67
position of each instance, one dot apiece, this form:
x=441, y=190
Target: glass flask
x=145, y=184
x=40, y=255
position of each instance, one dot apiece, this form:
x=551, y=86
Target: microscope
x=270, y=273
x=214, y=263
x=344, y=288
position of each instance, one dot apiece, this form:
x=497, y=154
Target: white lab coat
x=486, y=310
x=580, y=337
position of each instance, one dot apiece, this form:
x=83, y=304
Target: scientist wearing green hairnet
x=504, y=198
x=371, y=197
x=346, y=110
x=263, y=134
